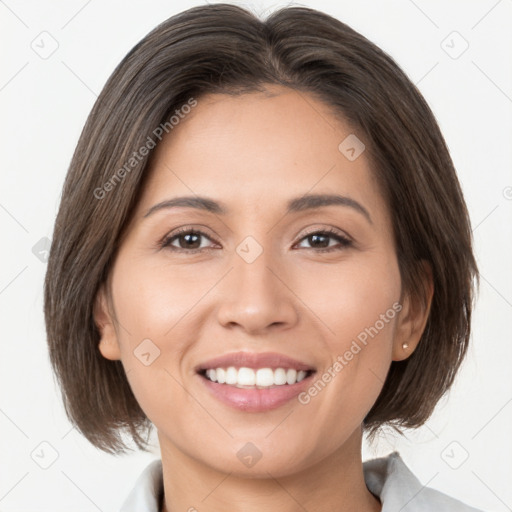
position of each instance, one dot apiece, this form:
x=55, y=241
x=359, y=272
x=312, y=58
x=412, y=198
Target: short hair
x=224, y=48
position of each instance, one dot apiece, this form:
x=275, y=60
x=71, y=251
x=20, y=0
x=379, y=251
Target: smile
x=253, y=382
x=255, y=378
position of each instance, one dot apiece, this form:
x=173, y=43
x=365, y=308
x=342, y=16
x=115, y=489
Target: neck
x=335, y=483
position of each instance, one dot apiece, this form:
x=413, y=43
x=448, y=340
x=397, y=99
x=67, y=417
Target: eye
x=320, y=240
x=190, y=240
x=185, y=240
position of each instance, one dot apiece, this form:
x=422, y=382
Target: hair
x=226, y=49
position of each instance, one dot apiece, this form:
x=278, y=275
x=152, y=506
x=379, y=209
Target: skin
x=253, y=153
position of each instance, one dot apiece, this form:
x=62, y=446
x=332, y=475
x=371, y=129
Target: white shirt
x=387, y=477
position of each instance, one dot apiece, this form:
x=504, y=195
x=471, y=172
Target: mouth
x=250, y=378
x=255, y=382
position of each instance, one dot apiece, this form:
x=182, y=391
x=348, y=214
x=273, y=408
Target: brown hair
x=223, y=48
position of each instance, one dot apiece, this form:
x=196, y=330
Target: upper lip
x=254, y=360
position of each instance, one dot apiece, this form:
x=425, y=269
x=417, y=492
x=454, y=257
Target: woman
x=262, y=250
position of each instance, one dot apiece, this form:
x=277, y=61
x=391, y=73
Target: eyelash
x=165, y=243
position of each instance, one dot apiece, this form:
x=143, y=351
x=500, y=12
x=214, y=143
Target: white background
x=44, y=105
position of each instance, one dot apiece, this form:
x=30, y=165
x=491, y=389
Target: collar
x=388, y=478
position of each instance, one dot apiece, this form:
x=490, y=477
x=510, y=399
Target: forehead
x=259, y=149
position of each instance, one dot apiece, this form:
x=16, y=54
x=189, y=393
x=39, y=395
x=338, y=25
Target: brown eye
x=187, y=240
x=321, y=241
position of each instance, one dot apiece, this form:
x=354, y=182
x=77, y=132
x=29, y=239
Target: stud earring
x=405, y=346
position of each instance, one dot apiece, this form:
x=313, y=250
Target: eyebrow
x=298, y=204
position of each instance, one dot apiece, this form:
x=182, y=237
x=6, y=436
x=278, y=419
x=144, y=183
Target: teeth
x=231, y=375
x=291, y=376
x=262, y=377
x=221, y=375
x=246, y=376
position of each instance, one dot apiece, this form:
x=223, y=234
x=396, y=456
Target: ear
x=109, y=344
x=413, y=316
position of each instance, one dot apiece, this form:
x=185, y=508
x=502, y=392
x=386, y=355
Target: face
x=303, y=294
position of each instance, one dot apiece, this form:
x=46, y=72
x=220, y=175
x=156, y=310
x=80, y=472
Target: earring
x=405, y=346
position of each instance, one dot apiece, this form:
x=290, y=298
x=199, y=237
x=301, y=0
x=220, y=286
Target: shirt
x=388, y=478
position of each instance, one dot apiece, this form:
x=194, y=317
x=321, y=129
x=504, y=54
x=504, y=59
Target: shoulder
x=147, y=492
x=398, y=489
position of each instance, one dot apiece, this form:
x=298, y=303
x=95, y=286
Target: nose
x=256, y=297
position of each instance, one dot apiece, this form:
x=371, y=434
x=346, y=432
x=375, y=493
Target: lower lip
x=253, y=399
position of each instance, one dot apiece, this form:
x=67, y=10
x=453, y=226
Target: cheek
x=358, y=305
x=155, y=329
x=154, y=302
x=350, y=298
